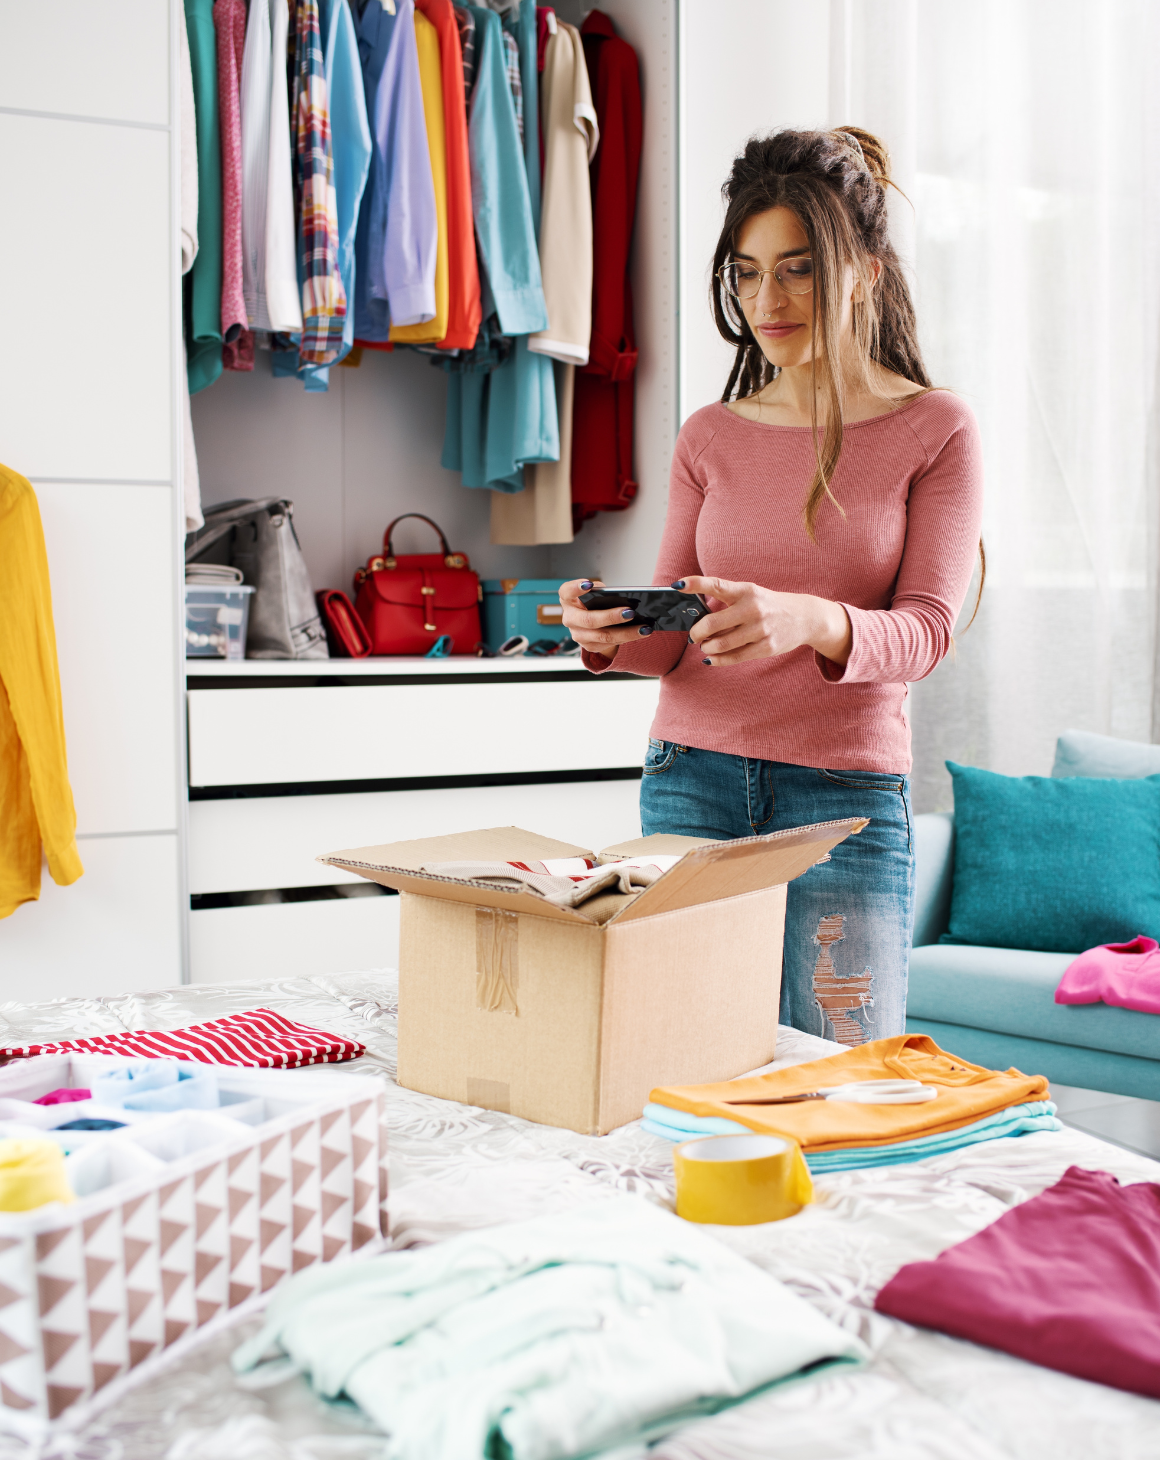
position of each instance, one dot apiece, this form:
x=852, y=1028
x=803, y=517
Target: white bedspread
x=923, y=1396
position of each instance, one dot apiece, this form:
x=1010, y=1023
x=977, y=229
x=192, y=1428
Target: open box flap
x=397, y=864
x=660, y=844
x=491, y=844
x=719, y=870
x=708, y=872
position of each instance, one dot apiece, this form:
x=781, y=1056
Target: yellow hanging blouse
x=36, y=804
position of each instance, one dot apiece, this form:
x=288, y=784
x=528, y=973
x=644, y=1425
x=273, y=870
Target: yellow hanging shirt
x=36, y=804
x=431, y=80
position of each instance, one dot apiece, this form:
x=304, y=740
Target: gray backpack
x=259, y=538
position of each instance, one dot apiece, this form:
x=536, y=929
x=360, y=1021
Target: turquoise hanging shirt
x=203, y=296
x=500, y=419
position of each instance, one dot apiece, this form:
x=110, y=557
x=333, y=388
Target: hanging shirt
x=431, y=80
x=283, y=296
x=519, y=20
x=464, y=310
x=269, y=248
x=323, y=296
x=602, y=428
x=501, y=198
x=188, y=156
x=203, y=297
x=512, y=58
x=571, y=136
x=398, y=226
x=230, y=23
x=500, y=418
x=466, y=23
x=37, y=801
x=350, y=149
x=190, y=480
x=255, y=124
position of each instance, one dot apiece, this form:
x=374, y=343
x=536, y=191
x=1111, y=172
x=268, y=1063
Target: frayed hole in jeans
x=839, y=998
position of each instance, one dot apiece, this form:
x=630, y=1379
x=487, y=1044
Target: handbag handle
x=388, y=549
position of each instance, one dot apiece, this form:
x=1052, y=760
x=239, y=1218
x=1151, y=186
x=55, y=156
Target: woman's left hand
x=751, y=622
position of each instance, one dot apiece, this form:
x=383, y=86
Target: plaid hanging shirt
x=323, y=296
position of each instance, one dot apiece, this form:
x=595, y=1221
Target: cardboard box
x=570, y=1016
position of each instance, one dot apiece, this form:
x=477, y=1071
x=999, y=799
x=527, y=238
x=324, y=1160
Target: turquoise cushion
x=1010, y=991
x=1080, y=753
x=1054, y=865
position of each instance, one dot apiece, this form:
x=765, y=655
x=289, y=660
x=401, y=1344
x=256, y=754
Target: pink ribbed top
x=900, y=561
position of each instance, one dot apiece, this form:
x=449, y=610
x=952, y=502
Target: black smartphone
x=659, y=608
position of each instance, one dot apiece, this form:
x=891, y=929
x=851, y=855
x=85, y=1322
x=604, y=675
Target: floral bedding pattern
x=923, y=1396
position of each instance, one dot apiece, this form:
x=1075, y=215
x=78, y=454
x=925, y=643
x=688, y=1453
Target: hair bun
x=873, y=151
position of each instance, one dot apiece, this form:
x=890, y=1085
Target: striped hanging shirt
x=323, y=295
x=258, y=1039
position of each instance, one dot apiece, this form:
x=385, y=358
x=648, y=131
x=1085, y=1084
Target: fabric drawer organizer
x=91, y=1291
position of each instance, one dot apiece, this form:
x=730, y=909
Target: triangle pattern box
x=216, y=1214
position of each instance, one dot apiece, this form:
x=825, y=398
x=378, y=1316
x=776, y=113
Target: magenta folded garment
x=1069, y=1280
x=63, y=1097
x=1124, y=974
x=259, y=1039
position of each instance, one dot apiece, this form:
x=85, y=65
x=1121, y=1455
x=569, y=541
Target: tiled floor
x=1120, y=1119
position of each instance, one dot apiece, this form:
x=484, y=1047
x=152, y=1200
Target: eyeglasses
x=794, y=275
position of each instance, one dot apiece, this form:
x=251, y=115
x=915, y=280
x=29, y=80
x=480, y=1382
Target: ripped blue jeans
x=848, y=921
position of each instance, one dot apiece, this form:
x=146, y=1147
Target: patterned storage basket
x=91, y=1291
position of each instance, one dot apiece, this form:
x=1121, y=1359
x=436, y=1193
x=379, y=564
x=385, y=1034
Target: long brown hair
x=835, y=183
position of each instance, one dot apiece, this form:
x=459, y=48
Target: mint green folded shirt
x=546, y=1339
x=1017, y=1120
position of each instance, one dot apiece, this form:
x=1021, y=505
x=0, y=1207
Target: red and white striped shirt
x=258, y=1039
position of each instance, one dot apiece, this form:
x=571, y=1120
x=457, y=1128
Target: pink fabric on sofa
x=1124, y=974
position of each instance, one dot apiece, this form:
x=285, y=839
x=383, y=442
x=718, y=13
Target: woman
x=829, y=508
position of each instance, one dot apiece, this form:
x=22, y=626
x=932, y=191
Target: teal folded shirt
x=1017, y=1120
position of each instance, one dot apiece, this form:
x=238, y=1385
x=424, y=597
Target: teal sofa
x=996, y=1006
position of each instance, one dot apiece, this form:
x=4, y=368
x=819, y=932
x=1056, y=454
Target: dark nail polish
x=645, y=630
x=707, y=661
x=680, y=583
x=628, y=613
x=585, y=584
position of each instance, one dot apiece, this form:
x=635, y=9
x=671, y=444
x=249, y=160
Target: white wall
x=87, y=386
x=746, y=67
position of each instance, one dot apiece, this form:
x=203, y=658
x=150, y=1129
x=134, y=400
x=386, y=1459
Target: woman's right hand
x=600, y=631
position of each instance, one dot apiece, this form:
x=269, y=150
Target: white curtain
x=1027, y=136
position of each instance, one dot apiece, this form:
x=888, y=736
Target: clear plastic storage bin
x=215, y=621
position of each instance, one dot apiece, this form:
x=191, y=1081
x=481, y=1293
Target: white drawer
x=260, y=842
x=293, y=940
x=240, y=737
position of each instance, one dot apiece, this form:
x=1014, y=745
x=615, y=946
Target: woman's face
x=782, y=323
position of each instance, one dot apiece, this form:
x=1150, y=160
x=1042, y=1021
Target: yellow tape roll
x=738, y=1180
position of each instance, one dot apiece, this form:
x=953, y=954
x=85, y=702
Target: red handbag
x=345, y=632
x=407, y=602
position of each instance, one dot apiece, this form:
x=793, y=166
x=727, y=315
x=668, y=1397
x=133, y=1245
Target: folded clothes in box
x=180, y=1218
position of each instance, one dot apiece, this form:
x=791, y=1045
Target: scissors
x=859, y=1092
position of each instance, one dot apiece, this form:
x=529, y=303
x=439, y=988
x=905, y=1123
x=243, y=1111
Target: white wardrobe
x=90, y=412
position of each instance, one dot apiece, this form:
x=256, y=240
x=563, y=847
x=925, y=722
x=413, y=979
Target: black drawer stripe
x=261, y=897
x=411, y=783
x=330, y=680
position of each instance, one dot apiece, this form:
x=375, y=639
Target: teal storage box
x=529, y=606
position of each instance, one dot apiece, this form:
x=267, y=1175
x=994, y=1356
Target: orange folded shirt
x=967, y=1093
